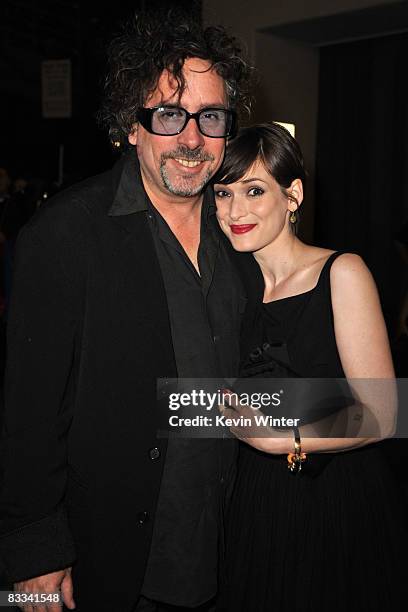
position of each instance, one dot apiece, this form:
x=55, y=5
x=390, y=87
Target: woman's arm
x=364, y=350
x=361, y=335
x=365, y=354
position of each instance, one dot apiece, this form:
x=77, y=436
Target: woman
x=329, y=537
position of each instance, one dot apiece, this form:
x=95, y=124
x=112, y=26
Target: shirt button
x=222, y=480
x=216, y=338
x=142, y=518
x=154, y=453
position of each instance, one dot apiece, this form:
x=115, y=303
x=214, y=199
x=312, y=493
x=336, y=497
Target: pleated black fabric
x=331, y=539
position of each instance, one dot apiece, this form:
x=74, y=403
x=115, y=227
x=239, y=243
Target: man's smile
x=187, y=163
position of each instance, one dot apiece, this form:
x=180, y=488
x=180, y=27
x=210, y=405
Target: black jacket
x=88, y=335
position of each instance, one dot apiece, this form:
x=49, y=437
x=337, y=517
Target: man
x=119, y=281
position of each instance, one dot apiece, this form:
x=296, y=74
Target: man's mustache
x=189, y=154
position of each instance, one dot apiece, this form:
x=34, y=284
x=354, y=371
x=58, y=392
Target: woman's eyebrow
x=249, y=180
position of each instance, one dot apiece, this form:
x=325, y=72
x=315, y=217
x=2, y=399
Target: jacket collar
x=130, y=196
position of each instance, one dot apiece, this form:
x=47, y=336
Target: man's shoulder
x=92, y=196
x=74, y=208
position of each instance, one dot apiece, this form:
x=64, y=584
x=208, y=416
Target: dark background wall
x=362, y=157
x=32, y=31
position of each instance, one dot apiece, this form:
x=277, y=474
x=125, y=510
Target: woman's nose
x=237, y=210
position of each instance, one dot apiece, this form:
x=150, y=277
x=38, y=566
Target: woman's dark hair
x=147, y=46
x=270, y=143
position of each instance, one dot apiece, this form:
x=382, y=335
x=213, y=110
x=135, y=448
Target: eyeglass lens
x=170, y=121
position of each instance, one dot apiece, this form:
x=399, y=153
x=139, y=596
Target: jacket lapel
x=139, y=293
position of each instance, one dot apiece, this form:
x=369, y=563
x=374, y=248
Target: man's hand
x=49, y=583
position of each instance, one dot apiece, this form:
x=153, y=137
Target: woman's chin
x=243, y=247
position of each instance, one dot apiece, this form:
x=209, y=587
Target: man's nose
x=191, y=136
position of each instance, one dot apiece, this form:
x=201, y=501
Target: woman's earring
x=293, y=217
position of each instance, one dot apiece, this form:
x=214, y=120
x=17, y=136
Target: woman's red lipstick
x=243, y=228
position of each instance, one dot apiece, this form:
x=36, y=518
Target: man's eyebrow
x=167, y=105
x=218, y=105
x=215, y=105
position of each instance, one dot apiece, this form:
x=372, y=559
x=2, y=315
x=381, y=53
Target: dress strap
x=325, y=271
x=322, y=288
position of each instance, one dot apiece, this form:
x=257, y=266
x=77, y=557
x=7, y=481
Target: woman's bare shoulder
x=346, y=265
x=352, y=283
x=349, y=267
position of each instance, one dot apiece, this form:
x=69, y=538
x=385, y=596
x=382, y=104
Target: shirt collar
x=130, y=196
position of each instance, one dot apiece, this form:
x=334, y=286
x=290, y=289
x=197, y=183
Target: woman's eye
x=221, y=194
x=255, y=191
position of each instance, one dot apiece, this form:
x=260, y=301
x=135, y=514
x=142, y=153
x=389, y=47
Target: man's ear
x=132, y=136
x=296, y=190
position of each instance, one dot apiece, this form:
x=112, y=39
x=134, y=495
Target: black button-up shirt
x=205, y=315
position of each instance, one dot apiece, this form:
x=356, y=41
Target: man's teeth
x=187, y=163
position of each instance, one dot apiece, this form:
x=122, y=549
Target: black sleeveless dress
x=333, y=537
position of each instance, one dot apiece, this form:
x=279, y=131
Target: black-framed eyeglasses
x=171, y=120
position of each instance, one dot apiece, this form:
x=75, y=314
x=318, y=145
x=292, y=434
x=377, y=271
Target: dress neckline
x=290, y=297
x=329, y=259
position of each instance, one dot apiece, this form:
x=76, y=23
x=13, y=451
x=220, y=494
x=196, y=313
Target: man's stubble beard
x=185, y=188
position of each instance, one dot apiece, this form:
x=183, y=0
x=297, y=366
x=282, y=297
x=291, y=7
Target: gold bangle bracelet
x=296, y=459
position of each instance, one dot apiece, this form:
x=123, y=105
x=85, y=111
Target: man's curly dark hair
x=147, y=46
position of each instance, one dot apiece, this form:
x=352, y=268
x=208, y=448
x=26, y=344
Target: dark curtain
x=362, y=157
